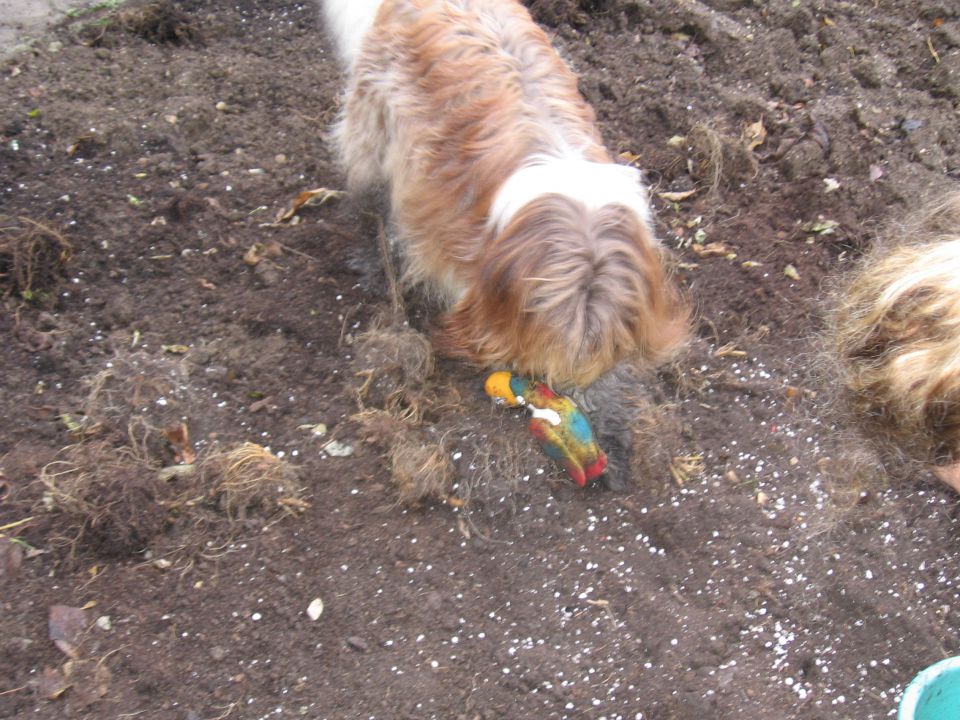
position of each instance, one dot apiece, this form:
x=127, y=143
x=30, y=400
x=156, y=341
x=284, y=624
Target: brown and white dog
x=506, y=202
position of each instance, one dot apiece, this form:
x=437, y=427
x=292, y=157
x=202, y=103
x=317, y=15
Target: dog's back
x=507, y=204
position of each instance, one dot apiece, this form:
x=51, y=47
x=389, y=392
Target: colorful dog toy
x=561, y=428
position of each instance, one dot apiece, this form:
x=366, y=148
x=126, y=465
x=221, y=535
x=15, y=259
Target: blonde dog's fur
x=506, y=202
x=895, y=332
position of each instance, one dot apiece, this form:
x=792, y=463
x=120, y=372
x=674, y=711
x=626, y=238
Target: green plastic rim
x=934, y=694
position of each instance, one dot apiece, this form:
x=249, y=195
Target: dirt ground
x=757, y=566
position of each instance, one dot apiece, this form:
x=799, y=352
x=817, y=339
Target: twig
x=17, y=523
x=296, y=252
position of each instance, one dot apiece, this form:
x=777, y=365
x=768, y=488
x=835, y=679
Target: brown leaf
x=254, y=255
x=713, y=249
x=309, y=197
x=101, y=678
x=676, y=196
x=272, y=249
x=66, y=626
x=179, y=438
x=754, y=134
x=11, y=555
x=52, y=683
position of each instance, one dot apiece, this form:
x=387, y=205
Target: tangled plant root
x=491, y=482
x=720, y=159
x=421, y=472
x=249, y=477
x=391, y=366
x=104, y=498
x=32, y=259
x=157, y=22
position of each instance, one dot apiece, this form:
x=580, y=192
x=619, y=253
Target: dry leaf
x=713, y=249
x=822, y=227
x=52, y=683
x=179, y=438
x=629, y=157
x=11, y=555
x=317, y=429
x=676, y=196
x=254, y=255
x=754, y=134
x=175, y=349
x=66, y=625
x=309, y=197
x=791, y=272
x=101, y=678
x=729, y=350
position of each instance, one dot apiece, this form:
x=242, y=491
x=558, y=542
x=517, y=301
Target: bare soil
x=757, y=566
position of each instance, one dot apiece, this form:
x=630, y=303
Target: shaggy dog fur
x=507, y=205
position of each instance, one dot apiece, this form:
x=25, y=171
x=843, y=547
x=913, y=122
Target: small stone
x=218, y=653
x=315, y=609
x=104, y=622
x=258, y=405
x=762, y=499
x=335, y=448
x=357, y=643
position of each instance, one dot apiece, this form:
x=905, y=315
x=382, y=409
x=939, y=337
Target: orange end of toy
x=497, y=386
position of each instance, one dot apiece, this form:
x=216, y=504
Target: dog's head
x=564, y=292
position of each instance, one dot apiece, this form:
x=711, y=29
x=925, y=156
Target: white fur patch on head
x=591, y=183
